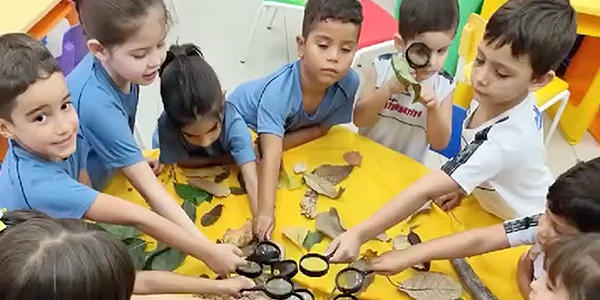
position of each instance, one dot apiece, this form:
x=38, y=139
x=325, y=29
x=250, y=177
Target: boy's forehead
x=433, y=39
x=336, y=30
x=503, y=56
x=45, y=91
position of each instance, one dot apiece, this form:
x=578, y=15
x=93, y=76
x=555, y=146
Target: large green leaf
x=312, y=238
x=188, y=192
x=190, y=209
x=164, y=259
x=137, y=251
x=121, y=232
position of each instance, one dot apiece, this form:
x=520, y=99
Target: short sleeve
x=237, y=136
x=106, y=128
x=58, y=194
x=522, y=231
x=273, y=109
x=478, y=162
x=343, y=113
x=171, y=148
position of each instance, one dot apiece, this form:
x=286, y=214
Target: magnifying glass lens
x=314, y=264
x=418, y=54
x=349, y=280
x=250, y=269
x=267, y=253
x=279, y=286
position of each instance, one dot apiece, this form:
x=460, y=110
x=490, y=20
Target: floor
x=221, y=29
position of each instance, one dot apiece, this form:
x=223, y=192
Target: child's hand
x=448, y=201
x=391, y=262
x=427, y=97
x=344, y=248
x=233, y=286
x=394, y=86
x=155, y=165
x=224, y=258
x=263, y=226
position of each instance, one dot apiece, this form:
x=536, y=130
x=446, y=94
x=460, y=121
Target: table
x=37, y=17
x=383, y=174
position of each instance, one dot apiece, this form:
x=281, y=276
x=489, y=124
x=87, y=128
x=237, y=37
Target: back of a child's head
x=421, y=16
x=345, y=11
x=573, y=264
x=113, y=22
x=544, y=31
x=189, y=86
x=23, y=61
x=575, y=196
x=61, y=259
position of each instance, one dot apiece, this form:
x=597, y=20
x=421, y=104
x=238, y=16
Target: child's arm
x=303, y=136
x=163, y=282
x=271, y=147
x=464, y=244
x=250, y=176
x=108, y=209
x=429, y=187
x=372, y=99
x=525, y=274
x=439, y=119
x=201, y=162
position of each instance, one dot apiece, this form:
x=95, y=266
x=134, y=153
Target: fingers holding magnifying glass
x=344, y=248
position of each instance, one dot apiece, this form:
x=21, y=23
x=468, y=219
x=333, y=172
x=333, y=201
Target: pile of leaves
x=209, y=180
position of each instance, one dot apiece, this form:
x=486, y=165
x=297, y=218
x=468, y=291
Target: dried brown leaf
x=296, y=234
x=300, y=168
x=308, y=205
x=322, y=186
x=353, y=158
x=212, y=216
x=212, y=188
x=329, y=223
x=219, y=178
x=240, y=237
x=203, y=172
x=431, y=286
x=369, y=255
x=401, y=242
x=383, y=237
x=332, y=173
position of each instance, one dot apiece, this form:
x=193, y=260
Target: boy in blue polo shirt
x=302, y=100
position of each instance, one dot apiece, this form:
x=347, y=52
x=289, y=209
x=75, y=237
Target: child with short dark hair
x=503, y=163
x=573, y=208
x=197, y=128
x=385, y=111
x=573, y=270
x=44, y=167
x=302, y=100
x=63, y=259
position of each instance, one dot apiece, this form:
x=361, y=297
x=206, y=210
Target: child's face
x=139, y=58
x=328, y=50
x=542, y=289
x=203, y=132
x=552, y=226
x=43, y=119
x=438, y=42
x=499, y=78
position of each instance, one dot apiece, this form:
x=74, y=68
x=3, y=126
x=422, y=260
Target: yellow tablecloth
x=20, y=16
x=383, y=174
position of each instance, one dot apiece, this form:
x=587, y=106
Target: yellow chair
x=556, y=92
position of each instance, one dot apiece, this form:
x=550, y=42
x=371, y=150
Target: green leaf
x=164, y=259
x=188, y=192
x=402, y=71
x=286, y=181
x=121, y=232
x=212, y=216
x=236, y=190
x=312, y=238
x=137, y=251
x=190, y=209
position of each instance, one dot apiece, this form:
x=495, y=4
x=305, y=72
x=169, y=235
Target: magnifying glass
x=285, y=268
x=418, y=55
x=345, y=297
x=251, y=269
x=304, y=294
x=314, y=264
x=350, y=280
x=276, y=288
x=266, y=253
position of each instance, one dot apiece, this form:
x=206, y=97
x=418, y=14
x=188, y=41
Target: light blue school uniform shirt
x=273, y=104
x=28, y=181
x=106, y=120
x=235, y=139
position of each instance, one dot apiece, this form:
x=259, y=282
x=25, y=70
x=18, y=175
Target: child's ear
x=99, y=51
x=398, y=42
x=541, y=81
x=6, y=129
x=301, y=44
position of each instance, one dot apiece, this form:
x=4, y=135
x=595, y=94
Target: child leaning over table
x=503, y=164
x=197, y=128
x=385, y=111
x=573, y=207
x=301, y=101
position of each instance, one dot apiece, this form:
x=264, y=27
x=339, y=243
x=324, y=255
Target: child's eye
x=322, y=46
x=66, y=106
x=478, y=61
x=501, y=75
x=161, y=44
x=346, y=50
x=139, y=56
x=40, y=118
x=443, y=50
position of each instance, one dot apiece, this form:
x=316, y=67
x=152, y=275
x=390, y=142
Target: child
x=303, y=99
x=197, y=128
x=573, y=208
x=385, y=112
x=503, y=163
x=45, y=162
x=126, y=39
x=63, y=259
x=573, y=265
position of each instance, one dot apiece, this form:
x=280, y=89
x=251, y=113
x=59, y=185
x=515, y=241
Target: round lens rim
x=312, y=273
x=277, y=296
x=354, y=289
x=424, y=48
